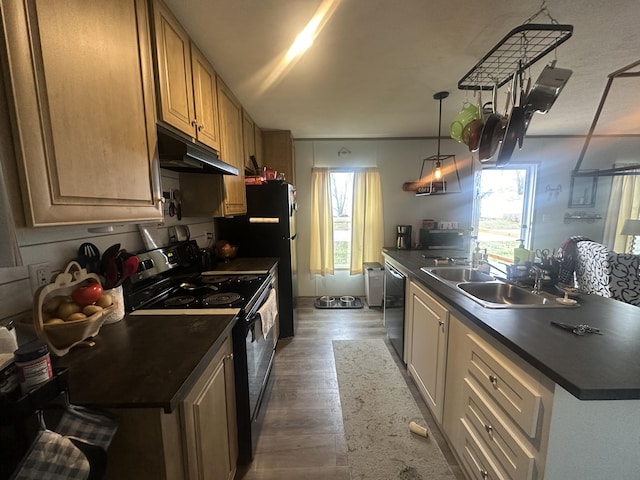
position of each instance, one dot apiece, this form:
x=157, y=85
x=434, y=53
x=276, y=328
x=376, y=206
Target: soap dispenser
x=476, y=256
x=520, y=254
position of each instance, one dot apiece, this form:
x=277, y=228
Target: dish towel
x=268, y=313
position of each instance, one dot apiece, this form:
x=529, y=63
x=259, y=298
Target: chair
x=603, y=272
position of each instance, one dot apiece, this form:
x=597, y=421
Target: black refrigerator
x=269, y=230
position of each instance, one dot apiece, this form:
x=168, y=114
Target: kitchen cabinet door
x=248, y=139
x=279, y=153
x=205, y=93
x=209, y=419
x=81, y=84
x=173, y=57
x=257, y=133
x=428, y=355
x=231, y=150
x=186, y=81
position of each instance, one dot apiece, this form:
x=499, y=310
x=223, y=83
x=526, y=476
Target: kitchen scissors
x=542, y=254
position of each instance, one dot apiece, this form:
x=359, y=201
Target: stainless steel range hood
x=179, y=154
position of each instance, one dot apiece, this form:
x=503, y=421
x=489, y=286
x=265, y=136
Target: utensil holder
x=117, y=298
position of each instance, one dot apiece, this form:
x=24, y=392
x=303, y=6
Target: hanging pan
x=491, y=132
x=515, y=127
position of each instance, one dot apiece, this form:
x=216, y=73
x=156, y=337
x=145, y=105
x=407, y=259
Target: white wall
x=59, y=245
x=400, y=160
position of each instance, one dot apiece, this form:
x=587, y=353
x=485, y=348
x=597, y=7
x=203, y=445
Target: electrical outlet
x=39, y=274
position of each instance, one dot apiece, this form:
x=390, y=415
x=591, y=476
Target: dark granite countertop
x=591, y=367
x=145, y=361
x=151, y=361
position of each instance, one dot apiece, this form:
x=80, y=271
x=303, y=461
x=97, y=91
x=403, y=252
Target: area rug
x=377, y=408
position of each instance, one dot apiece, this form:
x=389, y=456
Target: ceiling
x=375, y=65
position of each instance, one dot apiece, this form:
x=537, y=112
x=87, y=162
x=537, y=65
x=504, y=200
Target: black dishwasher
x=394, y=294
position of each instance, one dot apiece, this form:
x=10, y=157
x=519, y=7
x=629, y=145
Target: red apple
x=87, y=294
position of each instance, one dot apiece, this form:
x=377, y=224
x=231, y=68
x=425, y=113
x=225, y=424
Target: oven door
x=260, y=352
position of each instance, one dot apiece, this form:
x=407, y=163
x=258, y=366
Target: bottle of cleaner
x=521, y=255
x=476, y=256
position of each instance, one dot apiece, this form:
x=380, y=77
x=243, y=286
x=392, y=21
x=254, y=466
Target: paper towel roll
x=8, y=340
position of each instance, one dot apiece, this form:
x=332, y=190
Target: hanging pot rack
x=630, y=71
x=516, y=52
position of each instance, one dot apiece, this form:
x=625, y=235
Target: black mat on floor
x=345, y=301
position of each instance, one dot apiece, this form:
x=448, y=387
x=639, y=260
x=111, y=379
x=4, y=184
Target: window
x=503, y=209
x=341, y=201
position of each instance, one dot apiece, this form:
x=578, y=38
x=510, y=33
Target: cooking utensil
x=177, y=196
x=547, y=87
x=109, y=267
x=515, y=126
x=89, y=257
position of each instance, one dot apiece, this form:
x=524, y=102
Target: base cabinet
x=197, y=441
x=498, y=409
x=428, y=322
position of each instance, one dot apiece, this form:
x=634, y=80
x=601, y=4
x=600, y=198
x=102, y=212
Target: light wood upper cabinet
x=205, y=94
x=81, y=84
x=231, y=150
x=279, y=154
x=186, y=81
x=257, y=133
x=248, y=139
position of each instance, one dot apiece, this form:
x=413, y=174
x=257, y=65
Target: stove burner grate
x=218, y=299
x=180, y=301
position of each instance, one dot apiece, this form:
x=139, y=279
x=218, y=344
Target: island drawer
x=497, y=433
x=505, y=383
x=477, y=461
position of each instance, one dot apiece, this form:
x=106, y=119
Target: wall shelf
x=582, y=217
x=518, y=50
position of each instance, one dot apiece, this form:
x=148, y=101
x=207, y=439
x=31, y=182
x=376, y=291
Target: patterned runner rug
x=377, y=407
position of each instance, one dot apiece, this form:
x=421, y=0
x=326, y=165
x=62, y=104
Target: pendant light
x=439, y=173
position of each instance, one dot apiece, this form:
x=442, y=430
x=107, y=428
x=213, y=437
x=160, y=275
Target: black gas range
x=168, y=282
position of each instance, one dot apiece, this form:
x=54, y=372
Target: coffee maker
x=403, y=237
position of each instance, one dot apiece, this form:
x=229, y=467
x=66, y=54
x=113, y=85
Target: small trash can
x=374, y=283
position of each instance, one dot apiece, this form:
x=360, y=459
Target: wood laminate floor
x=303, y=435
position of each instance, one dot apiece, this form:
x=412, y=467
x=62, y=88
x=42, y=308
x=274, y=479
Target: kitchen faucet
x=539, y=275
x=486, y=262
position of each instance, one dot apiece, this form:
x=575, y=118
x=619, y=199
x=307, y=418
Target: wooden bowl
x=227, y=252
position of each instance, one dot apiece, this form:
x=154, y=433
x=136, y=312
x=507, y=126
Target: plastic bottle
x=476, y=256
x=520, y=254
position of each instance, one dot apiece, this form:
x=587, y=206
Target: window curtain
x=321, y=261
x=624, y=203
x=366, y=219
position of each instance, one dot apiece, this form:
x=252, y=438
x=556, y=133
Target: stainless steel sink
x=505, y=295
x=458, y=274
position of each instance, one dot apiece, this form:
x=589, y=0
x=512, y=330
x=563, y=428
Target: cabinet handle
x=194, y=123
x=229, y=357
x=494, y=380
x=484, y=474
x=200, y=127
x=441, y=323
x=489, y=429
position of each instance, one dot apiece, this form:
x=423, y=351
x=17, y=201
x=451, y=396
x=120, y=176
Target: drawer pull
x=494, y=380
x=484, y=474
x=489, y=429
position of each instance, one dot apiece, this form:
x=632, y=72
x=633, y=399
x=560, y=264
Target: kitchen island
x=585, y=390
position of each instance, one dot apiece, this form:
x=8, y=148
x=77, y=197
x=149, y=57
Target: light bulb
x=438, y=171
